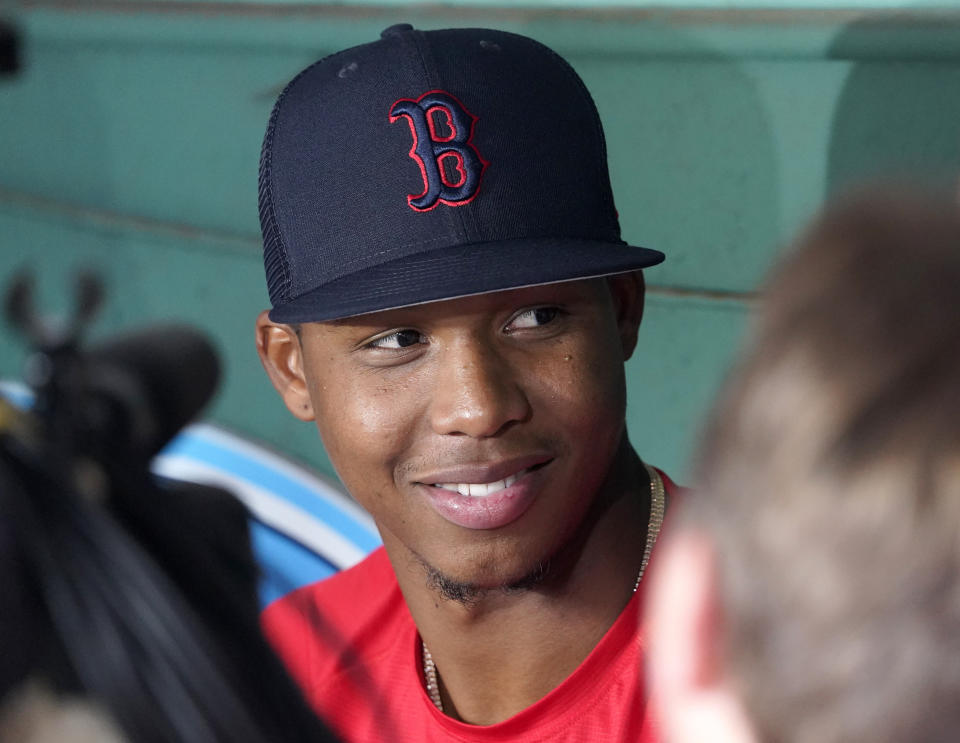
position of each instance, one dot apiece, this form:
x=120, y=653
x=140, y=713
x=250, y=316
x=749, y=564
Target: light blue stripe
x=17, y=394
x=196, y=447
x=285, y=564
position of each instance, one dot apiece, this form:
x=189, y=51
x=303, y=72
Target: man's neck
x=505, y=650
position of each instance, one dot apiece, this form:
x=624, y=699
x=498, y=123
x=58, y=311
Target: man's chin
x=469, y=592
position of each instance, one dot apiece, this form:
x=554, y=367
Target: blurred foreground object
x=130, y=598
x=812, y=590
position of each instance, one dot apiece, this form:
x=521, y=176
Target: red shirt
x=351, y=644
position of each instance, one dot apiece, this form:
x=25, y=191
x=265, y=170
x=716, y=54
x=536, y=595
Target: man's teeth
x=482, y=488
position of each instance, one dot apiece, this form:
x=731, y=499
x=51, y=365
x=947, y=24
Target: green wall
x=129, y=142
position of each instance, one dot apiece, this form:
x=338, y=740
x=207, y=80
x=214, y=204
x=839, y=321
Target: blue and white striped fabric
x=303, y=527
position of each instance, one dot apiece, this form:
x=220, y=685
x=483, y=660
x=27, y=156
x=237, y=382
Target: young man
x=811, y=591
x=453, y=306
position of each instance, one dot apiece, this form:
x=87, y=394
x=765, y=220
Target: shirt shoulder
x=339, y=624
x=350, y=643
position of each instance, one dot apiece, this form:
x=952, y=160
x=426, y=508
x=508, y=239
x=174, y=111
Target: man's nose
x=477, y=393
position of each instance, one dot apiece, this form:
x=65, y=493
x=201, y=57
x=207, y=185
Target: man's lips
x=485, y=496
x=484, y=479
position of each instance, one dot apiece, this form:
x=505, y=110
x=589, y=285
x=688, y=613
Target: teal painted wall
x=130, y=140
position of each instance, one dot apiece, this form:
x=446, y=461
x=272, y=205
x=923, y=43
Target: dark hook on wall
x=9, y=49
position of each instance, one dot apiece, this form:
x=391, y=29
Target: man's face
x=477, y=431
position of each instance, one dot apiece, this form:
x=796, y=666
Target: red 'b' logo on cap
x=442, y=130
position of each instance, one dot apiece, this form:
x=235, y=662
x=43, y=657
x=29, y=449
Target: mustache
x=473, y=453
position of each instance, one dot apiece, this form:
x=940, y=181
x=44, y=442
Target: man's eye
x=533, y=318
x=398, y=340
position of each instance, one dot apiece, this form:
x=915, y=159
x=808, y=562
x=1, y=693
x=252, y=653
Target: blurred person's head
x=812, y=588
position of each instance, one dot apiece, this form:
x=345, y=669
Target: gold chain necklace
x=658, y=502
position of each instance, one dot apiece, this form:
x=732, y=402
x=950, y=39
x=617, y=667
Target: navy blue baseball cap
x=429, y=165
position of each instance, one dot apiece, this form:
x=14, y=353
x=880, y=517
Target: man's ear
x=693, y=694
x=628, y=291
x=282, y=357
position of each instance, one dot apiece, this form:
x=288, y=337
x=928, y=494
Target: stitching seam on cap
x=366, y=258
x=426, y=61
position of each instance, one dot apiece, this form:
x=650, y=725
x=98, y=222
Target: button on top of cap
x=395, y=30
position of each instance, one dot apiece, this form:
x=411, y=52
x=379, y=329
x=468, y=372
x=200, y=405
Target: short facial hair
x=468, y=594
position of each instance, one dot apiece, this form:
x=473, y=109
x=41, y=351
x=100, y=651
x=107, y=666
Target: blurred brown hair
x=829, y=477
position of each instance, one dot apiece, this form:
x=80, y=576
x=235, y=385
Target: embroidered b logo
x=442, y=130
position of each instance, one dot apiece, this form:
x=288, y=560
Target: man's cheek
x=364, y=437
x=582, y=383
x=359, y=411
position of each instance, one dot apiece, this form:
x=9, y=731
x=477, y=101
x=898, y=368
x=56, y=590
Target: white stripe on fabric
x=279, y=464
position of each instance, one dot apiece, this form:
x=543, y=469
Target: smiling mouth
x=481, y=489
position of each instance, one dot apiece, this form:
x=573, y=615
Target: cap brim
x=451, y=272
